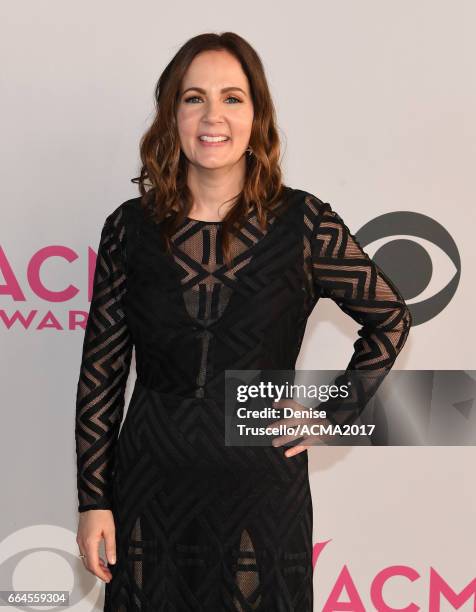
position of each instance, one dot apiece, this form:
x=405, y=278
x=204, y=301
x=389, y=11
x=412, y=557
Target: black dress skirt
x=202, y=526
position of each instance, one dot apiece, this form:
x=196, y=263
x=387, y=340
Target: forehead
x=215, y=69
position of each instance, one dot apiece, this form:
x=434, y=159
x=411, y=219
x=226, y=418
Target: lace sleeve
x=343, y=272
x=105, y=364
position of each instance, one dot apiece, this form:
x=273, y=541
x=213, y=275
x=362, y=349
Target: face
x=214, y=100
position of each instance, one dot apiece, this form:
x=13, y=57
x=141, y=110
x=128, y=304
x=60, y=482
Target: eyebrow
x=222, y=91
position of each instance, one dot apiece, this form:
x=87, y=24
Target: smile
x=216, y=141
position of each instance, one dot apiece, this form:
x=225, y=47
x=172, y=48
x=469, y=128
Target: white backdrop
x=375, y=104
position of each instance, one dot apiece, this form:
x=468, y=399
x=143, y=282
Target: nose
x=212, y=111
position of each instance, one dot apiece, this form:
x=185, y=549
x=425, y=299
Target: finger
x=83, y=559
x=93, y=565
x=110, y=546
x=289, y=421
x=291, y=437
x=281, y=440
x=287, y=402
x=105, y=568
x=295, y=450
x=292, y=405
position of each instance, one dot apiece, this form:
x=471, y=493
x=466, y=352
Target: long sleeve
x=105, y=365
x=343, y=272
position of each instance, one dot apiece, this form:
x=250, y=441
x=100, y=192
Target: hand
x=308, y=441
x=93, y=526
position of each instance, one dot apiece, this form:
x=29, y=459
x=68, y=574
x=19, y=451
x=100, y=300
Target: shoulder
x=121, y=216
x=123, y=210
x=312, y=206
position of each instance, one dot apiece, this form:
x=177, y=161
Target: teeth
x=213, y=138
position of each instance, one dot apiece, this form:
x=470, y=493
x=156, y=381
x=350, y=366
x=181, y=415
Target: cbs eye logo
x=427, y=271
x=45, y=558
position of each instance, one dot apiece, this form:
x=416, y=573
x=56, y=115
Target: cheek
x=186, y=121
x=242, y=121
x=241, y=127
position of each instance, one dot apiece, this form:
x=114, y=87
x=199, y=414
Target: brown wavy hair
x=162, y=182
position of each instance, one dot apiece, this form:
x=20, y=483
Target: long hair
x=162, y=180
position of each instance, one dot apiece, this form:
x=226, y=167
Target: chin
x=214, y=165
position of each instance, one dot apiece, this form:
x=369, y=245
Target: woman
x=216, y=266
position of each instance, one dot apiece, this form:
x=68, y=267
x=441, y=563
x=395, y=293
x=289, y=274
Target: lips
x=214, y=135
x=224, y=139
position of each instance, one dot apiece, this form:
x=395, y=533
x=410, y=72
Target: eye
x=198, y=97
x=421, y=257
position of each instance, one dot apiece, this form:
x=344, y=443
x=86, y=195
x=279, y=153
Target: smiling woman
x=215, y=85
x=190, y=523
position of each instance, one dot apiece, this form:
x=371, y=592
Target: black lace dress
x=201, y=526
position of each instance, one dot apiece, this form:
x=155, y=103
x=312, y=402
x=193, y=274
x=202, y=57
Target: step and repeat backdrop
x=375, y=106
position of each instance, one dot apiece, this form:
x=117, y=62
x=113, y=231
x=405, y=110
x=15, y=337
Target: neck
x=214, y=190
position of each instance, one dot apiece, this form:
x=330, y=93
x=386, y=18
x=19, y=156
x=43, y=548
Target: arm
x=105, y=364
x=343, y=272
